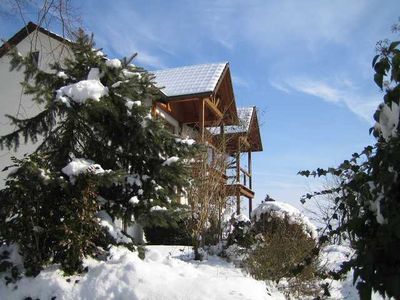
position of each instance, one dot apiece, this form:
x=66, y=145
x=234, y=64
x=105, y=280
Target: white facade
x=12, y=99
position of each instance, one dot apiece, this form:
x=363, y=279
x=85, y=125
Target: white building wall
x=167, y=117
x=12, y=99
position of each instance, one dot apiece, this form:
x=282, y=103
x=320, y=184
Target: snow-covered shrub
x=240, y=231
x=284, y=243
x=51, y=219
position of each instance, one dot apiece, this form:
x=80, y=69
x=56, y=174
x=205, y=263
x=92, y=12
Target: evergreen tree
x=367, y=199
x=94, y=119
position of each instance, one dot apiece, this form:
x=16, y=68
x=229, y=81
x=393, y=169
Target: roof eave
x=186, y=96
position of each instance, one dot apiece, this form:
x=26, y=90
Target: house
x=197, y=101
x=46, y=48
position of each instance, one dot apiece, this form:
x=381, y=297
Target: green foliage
x=368, y=193
x=170, y=229
x=50, y=219
x=241, y=234
x=117, y=132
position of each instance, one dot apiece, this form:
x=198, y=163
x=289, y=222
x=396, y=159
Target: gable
x=25, y=32
x=184, y=87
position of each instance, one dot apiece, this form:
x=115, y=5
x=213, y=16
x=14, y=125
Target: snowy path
x=166, y=273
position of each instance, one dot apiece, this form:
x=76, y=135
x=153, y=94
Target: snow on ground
x=332, y=257
x=167, y=272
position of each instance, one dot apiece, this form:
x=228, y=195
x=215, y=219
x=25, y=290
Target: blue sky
x=305, y=64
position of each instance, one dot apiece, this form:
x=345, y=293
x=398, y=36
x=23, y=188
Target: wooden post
x=238, y=167
x=153, y=110
x=249, y=165
x=222, y=134
x=250, y=182
x=237, y=184
x=238, y=200
x=250, y=206
x=201, y=120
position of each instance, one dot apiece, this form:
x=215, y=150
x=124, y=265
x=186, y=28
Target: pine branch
x=29, y=128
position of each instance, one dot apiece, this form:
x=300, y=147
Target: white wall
x=12, y=99
x=167, y=117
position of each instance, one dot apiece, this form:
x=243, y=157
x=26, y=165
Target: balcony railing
x=243, y=177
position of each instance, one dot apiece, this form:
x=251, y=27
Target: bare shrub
x=207, y=195
x=282, y=249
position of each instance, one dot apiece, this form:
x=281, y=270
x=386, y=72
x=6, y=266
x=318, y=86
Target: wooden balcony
x=236, y=189
x=240, y=185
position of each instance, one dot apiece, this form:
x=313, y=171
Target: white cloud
x=316, y=88
x=279, y=87
x=339, y=92
x=240, y=81
x=280, y=24
x=150, y=60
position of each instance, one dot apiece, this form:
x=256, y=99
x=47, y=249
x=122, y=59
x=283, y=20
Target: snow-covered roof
x=244, y=116
x=189, y=80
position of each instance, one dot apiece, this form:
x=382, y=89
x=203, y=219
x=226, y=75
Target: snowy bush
x=239, y=231
x=279, y=243
x=285, y=243
x=51, y=219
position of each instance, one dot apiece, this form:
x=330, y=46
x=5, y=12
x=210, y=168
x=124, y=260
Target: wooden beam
x=153, y=110
x=238, y=179
x=214, y=109
x=238, y=201
x=183, y=100
x=222, y=135
x=250, y=206
x=250, y=182
x=187, y=97
x=238, y=166
x=245, y=191
x=222, y=77
x=244, y=141
x=201, y=120
x=249, y=164
x=245, y=172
